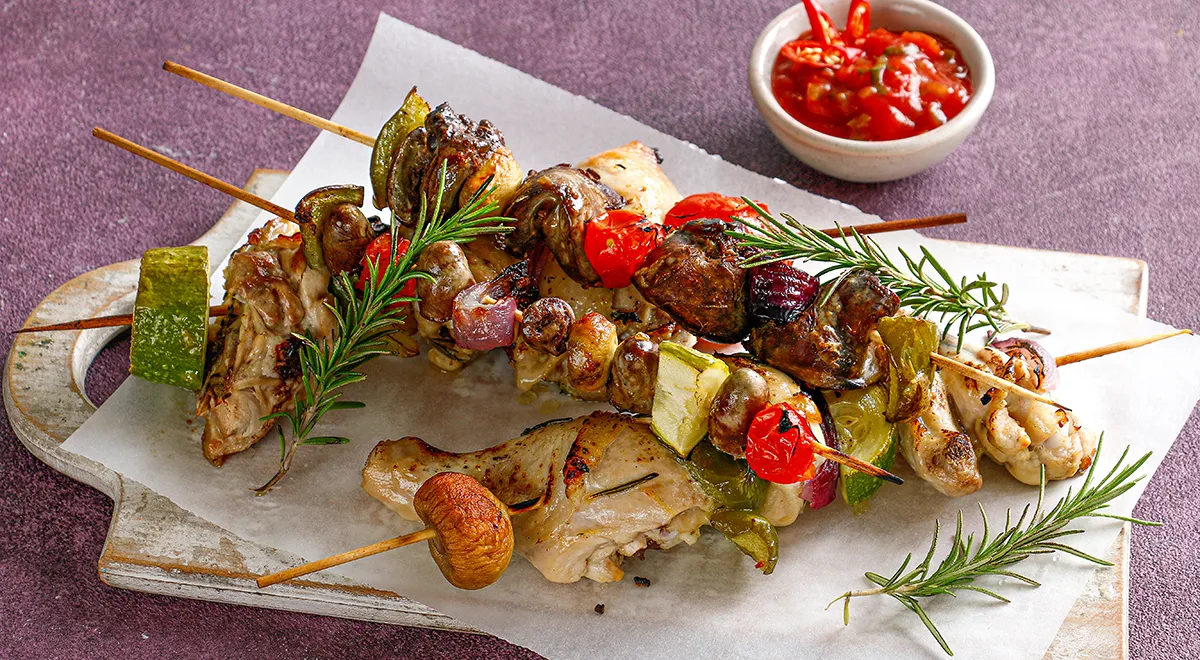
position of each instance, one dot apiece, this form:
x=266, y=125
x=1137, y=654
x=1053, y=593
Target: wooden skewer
x=899, y=225
x=268, y=103
x=194, y=174
x=116, y=320
x=362, y=138
x=862, y=466
x=1117, y=347
x=393, y=543
x=991, y=379
x=346, y=557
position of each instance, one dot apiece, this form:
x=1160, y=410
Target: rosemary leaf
x=966, y=561
x=363, y=319
x=963, y=304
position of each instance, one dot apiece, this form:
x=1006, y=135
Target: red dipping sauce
x=869, y=85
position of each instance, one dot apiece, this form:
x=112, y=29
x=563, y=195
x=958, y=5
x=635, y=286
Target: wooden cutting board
x=156, y=547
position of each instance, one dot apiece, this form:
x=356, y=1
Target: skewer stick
x=899, y=225
x=268, y=103
x=390, y=544
x=1117, y=347
x=116, y=320
x=362, y=138
x=345, y=557
x=194, y=174
x=862, y=466
x=991, y=380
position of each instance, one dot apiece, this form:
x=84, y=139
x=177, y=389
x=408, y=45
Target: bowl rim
x=762, y=62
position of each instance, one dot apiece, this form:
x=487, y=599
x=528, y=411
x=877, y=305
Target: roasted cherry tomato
x=617, y=243
x=779, y=445
x=705, y=206
x=379, y=251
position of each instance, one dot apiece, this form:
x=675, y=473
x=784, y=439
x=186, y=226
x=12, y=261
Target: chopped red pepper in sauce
x=869, y=84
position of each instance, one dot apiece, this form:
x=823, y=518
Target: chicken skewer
x=588, y=516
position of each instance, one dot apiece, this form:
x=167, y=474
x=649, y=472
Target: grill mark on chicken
x=1022, y=434
x=572, y=536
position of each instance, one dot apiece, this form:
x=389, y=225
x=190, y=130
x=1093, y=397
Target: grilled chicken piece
x=1022, y=434
x=937, y=450
x=832, y=346
x=253, y=364
x=633, y=171
x=574, y=535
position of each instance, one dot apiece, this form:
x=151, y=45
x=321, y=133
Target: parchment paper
x=706, y=600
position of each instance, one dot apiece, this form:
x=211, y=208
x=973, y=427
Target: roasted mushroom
x=474, y=536
x=554, y=206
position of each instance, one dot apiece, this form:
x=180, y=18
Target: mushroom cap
x=474, y=541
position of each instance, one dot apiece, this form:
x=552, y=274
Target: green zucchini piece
x=170, y=317
x=863, y=431
x=683, y=392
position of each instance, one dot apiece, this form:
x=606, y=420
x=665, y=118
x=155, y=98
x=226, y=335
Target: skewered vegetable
x=863, y=431
x=780, y=292
x=334, y=229
x=730, y=482
x=779, y=445
x=910, y=341
x=752, y=534
x=555, y=206
x=683, y=394
x=742, y=396
x=618, y=242
x=409, y=117
x=170, y=317
x=474, y=539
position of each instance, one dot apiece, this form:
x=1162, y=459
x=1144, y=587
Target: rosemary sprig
x=967, y=561
x=964, y=305
x=365, y=319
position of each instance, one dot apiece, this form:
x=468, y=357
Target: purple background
x=1090, y=145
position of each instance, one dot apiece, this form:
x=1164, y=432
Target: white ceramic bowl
x=857, y=160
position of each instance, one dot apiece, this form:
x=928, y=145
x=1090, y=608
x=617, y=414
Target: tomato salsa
x=865, y=84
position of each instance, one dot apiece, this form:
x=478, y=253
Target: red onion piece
x=780, y=292
x=822, y=489
x=482, y=324
x=1035, y=355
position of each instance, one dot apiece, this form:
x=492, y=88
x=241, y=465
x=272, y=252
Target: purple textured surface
x=1090, y=145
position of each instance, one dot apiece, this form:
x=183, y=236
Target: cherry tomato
x=710, y=206
x=779, y=445
x=379, y=251
x=617, y=243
